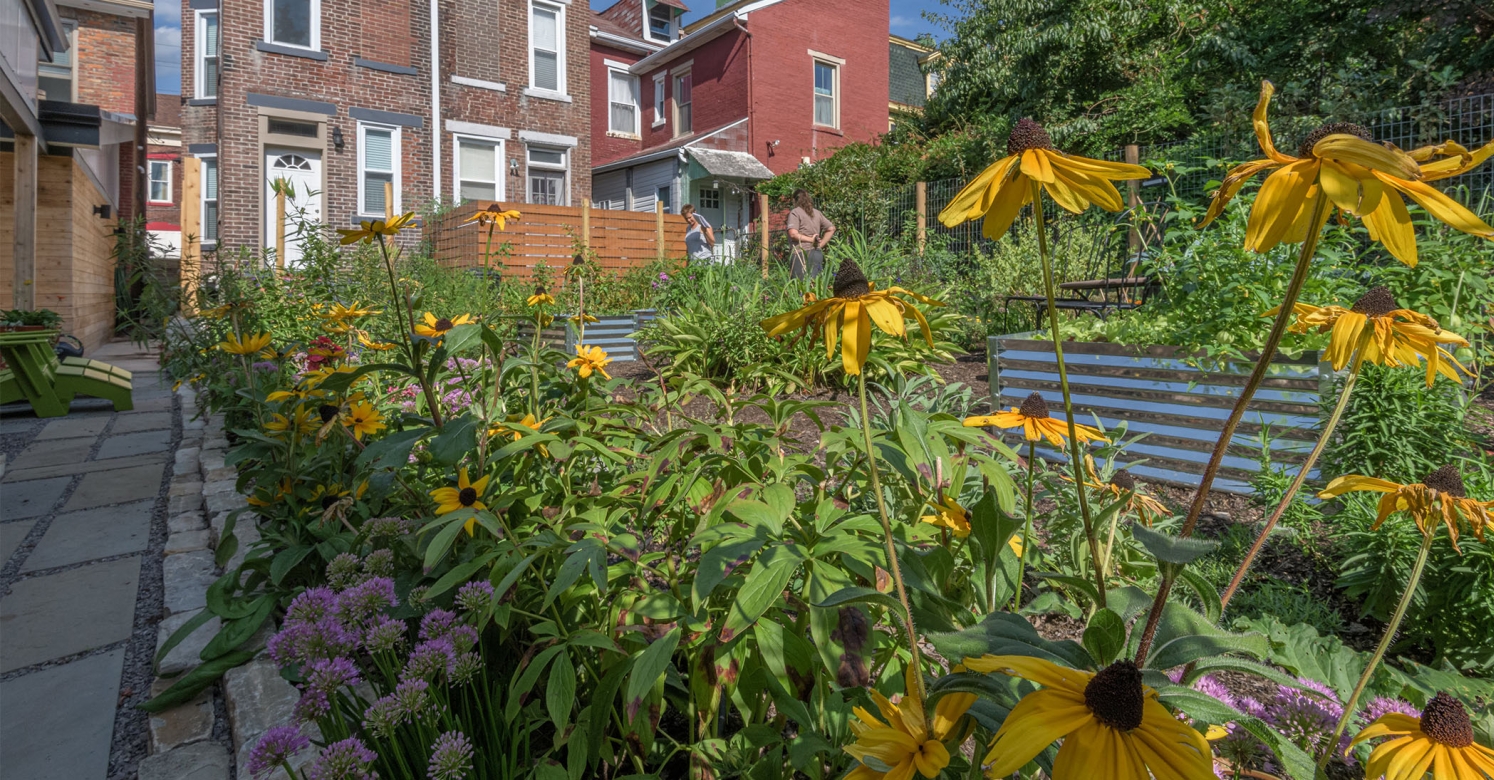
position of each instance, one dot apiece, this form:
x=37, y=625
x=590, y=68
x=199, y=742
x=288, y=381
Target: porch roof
x=739, y=165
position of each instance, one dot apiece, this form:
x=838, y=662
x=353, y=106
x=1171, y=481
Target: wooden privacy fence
x=1181, y=407
x=550, y=234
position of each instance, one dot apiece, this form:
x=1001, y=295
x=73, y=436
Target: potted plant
x=24, y=320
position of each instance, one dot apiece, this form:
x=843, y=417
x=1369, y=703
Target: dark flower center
x=850, y=282
x=1446, y=722
x=1332, y=128
x=1446, y=480
x=1027, y=135
x=327, y=502
x=1115, y=696
x=467, y=497
x=443, y=324
x=1378, y=302
x=1034, y=407
x=327, y=412
x=1123, y=480
x=539, y=289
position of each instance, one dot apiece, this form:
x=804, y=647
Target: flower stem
x=897, y=572
x=1110, y=537
x=1026, y=530
x=1076, y=448
x=1268, y=351
x=534, y=356
x=1390, y=629
x=1312, y=459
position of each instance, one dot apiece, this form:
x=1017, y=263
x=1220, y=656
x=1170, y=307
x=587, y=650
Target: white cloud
x=899, y=20
x=168, y=13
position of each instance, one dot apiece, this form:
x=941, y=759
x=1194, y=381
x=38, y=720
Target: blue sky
x=906, y=20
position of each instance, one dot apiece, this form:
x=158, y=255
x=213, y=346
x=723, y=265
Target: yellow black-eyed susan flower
x=1123, y=484
x=247, y=345
x=1111, y=725
x=1398, y=337
x=848, y=315
x=370, y=230
x=495, y=217
x=1036, y=424
x=905, y=742
x=589, y=359
x=466, y=495
x=540, y=296
x=1439, y=499
x=1440, y=741
x=434, y=327
x=363, y=419
x=1341, y=160
x=1073, y=182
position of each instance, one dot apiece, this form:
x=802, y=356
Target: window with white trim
x=661, y=23
x=682, y=122
x=708, y=198
x=479, y=168
x=826, y=94
x=208, y=48
x=160, y=181
x=622, y=97
x=294, y=23
x=659, y=105
x=378, y=164
x=548, y=173
x=209, y=173
x=547, y=47
x=55, y=79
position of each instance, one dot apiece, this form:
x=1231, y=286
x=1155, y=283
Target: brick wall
x=718, y=91
x=606, y=146
x=476, y=43
x=105, y=60
x=783, y=90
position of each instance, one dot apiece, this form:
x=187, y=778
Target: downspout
x=436, y=97
x=751, y=107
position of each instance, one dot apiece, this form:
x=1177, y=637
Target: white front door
x=301, y=172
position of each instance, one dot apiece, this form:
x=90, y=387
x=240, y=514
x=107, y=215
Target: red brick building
x=163, y=177
x=757, y=88
x=338, y=99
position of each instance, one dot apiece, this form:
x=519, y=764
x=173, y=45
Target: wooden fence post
x=26, y=162
x=921, y=203
x=280, y=225
x=762, y=218
x=586, y=224
x=388, y=201
x=191, y=269
x=1133, y=197
x=659, y=228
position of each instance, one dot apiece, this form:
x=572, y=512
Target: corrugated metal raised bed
x=1182, y=407
x=613, y=333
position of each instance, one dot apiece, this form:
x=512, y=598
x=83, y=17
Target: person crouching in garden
x=700, y=239
x=810, y=232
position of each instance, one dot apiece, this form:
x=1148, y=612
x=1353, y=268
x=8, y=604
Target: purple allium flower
x=361, y=602
x=327, y=675
x=430, y=659
x=265, y=366
x=379, y=563
x=663, y=277
x=465, y=668
x=1176, y=675
x=383, y=717
x=1382, y=706
x=451, y=757
x=475, y=596
x=1206, y=684
x=1306, y=718
x=384, y=527
x=438, y=623
x=275, y=748
x=414, y=699
x=313, y=704
x=304, y=641
x=387, y=635
x=345, y=760
x=344, y=571
x=312, y=605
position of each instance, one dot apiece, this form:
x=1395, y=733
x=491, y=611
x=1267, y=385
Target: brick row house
x=346, y=99
x=77, y=86
x=163, y=178
x=757, y=88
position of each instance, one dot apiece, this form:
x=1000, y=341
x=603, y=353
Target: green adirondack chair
x=34, y=373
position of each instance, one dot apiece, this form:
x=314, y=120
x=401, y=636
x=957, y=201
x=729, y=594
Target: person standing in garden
x=700, y=239
x=810, y=232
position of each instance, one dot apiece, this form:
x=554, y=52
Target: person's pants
x=806, y=262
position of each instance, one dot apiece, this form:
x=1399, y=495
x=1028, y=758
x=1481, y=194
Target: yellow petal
x=1172, y=749
x=1390, y=224
x=1276, y=206
x=1042, y=672
x=1231, y=185
x=1095, y=189
x=1457, y=165
x=976, y=197
x=851, y=338
x=886, y=315
x=1442, y=207
x=1353, y=482
x=1388, y=725
x=1263, y=128
x=1104, y=169
x=1353, y=149
x=1037, y=720
x=1035, y=165
x=1008, y=201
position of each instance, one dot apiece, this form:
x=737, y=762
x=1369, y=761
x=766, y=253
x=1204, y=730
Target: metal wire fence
x=1192, y=168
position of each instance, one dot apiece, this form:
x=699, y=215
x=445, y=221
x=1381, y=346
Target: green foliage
x=1396, y=427
x=45, y=318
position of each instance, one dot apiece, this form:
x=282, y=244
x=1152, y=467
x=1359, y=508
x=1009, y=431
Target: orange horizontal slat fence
x=549, y=235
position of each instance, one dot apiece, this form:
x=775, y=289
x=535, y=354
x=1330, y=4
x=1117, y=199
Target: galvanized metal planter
x=1182, y=407
x=614, y=334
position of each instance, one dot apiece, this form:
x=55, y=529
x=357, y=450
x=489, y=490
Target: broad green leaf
x=443, y=540
x=459, y=574
x=560, y=690
x=1208, y=595
x=461, y=338
x=457, y=438
x=238, y=631
x=570, y=571
x=392, y=451
x=1187, y=649
x=718, y=562
x=649, y=666
x=501, y=588
x=285, y=560
x=601, y=707
x=860, y=595
x=195, y=681
x=1171, y=549
x=1104, y=637
x=762, y=588
x=180, y=634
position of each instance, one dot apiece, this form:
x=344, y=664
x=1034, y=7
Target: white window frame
x=661, y=100
x=395, y=161
x=150, y=180
x=634, y=131
x=560, y=42
x=834, y=65
x=648, y=28
x=675, y=76
x=499, y=155
x=530, y=164
x=199, y=57
x=203, y=199
x=316, y=26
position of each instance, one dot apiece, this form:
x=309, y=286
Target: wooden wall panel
x=549, y=235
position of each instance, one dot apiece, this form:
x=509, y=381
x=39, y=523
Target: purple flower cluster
x=1304, y=715
x=1382, y=706
x=451, y=757
x=444, y=642
x=323, y=629
x=345, y=760
x=275, y=748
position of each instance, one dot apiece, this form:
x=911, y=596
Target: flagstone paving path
x=84, y=501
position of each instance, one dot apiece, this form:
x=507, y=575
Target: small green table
x=34, y=373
